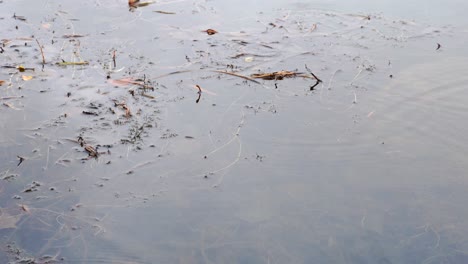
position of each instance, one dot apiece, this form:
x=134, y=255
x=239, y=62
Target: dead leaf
x=21, y=68
x=26, y=77
x=1, y=82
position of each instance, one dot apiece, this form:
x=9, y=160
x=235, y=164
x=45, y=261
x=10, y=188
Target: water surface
x=366, y=168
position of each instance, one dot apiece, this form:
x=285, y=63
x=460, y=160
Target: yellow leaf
x=21, y=68
x=26, y=77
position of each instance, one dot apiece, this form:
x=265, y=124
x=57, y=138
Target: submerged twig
x=42, y=51
x=172, y=73
x=113, y=59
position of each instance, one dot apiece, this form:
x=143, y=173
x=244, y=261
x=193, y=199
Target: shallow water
x=367, y=168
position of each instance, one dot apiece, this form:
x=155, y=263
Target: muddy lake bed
x=294, y=132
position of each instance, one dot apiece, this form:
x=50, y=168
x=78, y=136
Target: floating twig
x=164, y=12
x=21, y=159
x=22, y=18
x=42, y=51
x=90, y=113
x=199, y=93
x=238, y=75
x=148, y=96
x=70, y=63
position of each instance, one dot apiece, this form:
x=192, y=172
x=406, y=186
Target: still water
x=368, y=167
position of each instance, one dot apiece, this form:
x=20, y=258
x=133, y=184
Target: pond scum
x=80, y=101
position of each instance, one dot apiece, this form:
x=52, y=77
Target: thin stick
x=172, y=73
x=10, y=97
x=315, y=77
x=238, y=75
x=42, y=52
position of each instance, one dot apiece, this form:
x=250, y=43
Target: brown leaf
x=1, y=82
x=210, y=31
